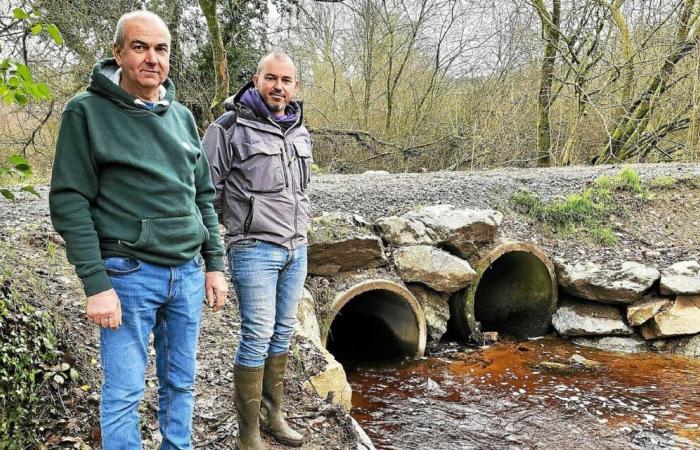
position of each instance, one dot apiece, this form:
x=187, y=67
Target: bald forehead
x=278, y=58
x=143, y=21
x=147, y=24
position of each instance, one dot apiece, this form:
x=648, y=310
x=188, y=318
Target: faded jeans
x=268, y=279
x=166, y=301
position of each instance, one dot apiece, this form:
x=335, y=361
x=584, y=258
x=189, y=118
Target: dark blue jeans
x=268, y=280
x=165, y=301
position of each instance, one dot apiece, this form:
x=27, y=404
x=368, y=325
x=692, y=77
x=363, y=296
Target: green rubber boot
x=247, y=385
x=271, y=409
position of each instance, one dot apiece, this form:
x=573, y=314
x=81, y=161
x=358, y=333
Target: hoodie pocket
x=176, y=236
x=262, y=167
x=303, y=151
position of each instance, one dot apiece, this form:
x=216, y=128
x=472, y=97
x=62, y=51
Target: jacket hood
x=102, y=84
x=233, y=103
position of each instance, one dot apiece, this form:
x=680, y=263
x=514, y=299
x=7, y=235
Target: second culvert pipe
x=514, y=293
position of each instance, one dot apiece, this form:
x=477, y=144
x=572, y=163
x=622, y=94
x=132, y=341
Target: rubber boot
x=247, y=385
x=271, y=410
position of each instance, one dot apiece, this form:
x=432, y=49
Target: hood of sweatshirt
x=104, y=82
x=253, y=110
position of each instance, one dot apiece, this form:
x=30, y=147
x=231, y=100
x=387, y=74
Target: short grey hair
x=119, y=32
x=274, y=55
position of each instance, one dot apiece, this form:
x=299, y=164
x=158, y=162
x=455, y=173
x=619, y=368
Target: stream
x=542, y=393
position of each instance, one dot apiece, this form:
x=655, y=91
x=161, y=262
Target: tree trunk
x=219, y=57
x=622, y=141
x=550, y=26
x=693, y=141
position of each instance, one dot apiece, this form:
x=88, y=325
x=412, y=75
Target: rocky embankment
x=641, y=293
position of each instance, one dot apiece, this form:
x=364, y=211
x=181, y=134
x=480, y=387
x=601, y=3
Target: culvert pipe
x=375, y=321
x=514, y=294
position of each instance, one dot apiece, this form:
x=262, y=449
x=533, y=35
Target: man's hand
x=104, y=309
x=216, y=288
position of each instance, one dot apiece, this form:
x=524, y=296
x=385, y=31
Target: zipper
x=249, y=217
x=284, y=165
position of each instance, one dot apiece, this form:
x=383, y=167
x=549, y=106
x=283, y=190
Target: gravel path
x=657, y=233
x=374, y=196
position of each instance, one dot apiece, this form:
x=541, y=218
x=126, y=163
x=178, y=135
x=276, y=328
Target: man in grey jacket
x=260, y=157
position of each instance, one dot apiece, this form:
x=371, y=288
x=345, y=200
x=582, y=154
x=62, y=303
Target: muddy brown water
x=545, y=393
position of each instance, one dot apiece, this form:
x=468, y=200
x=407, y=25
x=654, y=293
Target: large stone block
x=435, y=268
x=398, y=231
x=331, y=377
x=576, y=317
x=681, y=318
x=461, y=229
x=682, y=278
x=646, y=308
x=591, y=281
x=436, y=308
x=338, y=244
x=686, y=345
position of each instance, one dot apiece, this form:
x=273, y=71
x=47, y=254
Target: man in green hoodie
x=131, y=194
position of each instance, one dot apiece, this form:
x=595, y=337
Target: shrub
x=27, y=351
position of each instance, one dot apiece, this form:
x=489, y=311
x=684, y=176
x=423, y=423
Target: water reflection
x=533, y=394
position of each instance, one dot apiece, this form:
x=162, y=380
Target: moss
x=332, y=227
x=604, y=235
x=663, y=182
x=324, y=310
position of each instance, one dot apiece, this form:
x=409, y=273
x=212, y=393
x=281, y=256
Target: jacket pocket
x=262, y=167
x=303, y=151
x=176, y=236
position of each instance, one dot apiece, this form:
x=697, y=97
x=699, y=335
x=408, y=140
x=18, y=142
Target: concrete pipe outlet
x=375, y=321
x=514, y=294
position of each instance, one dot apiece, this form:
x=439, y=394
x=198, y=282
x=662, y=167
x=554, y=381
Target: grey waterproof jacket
x=261, y=175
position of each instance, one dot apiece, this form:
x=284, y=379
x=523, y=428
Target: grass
x=626, y=180
x=663, y=182
x=587, y=211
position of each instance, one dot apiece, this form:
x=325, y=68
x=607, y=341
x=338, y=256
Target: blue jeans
x=268, y=280
x=168, y=302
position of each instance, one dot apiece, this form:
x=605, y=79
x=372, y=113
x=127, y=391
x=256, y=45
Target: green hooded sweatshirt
x=131, y=182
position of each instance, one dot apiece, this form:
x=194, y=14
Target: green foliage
x=17, y=86
x=586, y=211
x=16, y=82
x=16, y=167
x=626, y=180
x=27, y=358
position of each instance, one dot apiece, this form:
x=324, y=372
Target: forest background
x=399, y=85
